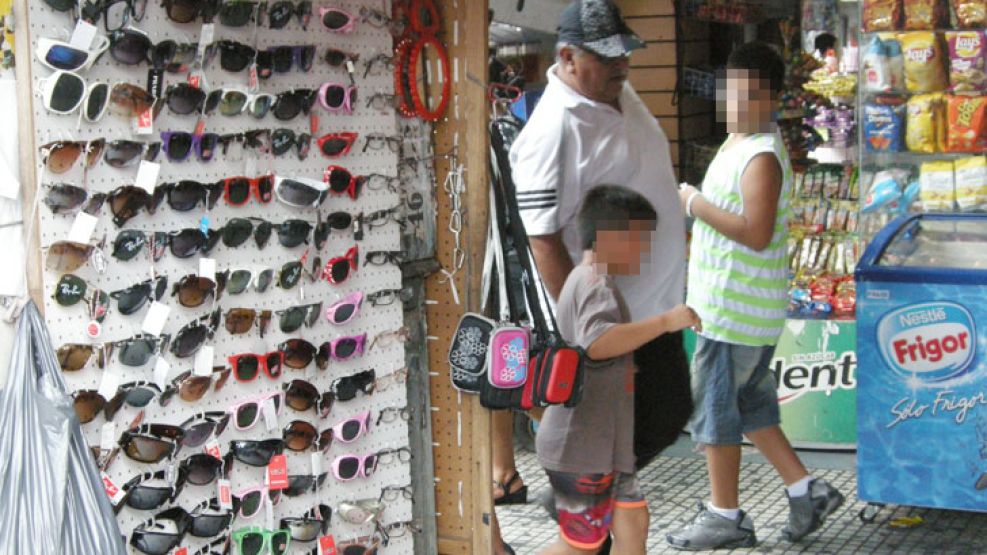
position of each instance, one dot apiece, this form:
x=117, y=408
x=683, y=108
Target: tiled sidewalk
x=677, y=481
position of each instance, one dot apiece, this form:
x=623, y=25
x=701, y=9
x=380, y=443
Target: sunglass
x=193, y=335
x=139, y=495
x=210, y=525
x=61, y=156
x=241, y=320
x=123, y=153
x=382, y=101
x=340, y=221
x=300, y=353
x=300, y=484
x=291, y=233
x=307, y=528
x=237, y=190
x=279, y=13
x=341, y=181
x=248, y=503
x=335, y=97
x=345, y=310
x=336, y=20
x=183, y=243
x=346, y=388
x=118, y=13
x=69, y=256
x=256, y=453
x=138, y=350
x=133, y=298
x=74, y=356
x=247, y=366
x=185, y=195
x=64, y=198
x=202, y=426
x=396, y=377
x=352, y=429
x=380, y=218
x=127, y=201
x=254, y=541
x=339, y=58
x=300, y=191
x=239, y=280
x=379, y=258
x=291, y=319
x=392, y=414
x=300, y=435
x=387, y=338
x=282, y=58
x=289, y=104
x=63, y=92
x=154, y=538
x=247, y=414
x=238, y=13
x=257, y=139
x=399, y=529
x=58, y=55
x=343, y=348
x=186, y=11
x=233, y=102
x=201, y=469
x=378, y=19
x=179, y=145
x=384, y=60
x=361, y=511
x=71, y=289
x=377, y=141
x=191, y=388
x=302, y=395
x=133, y=46
x=234, y=56
x=193, y=290
x=393, y=493
x=151, y=443
x=336, y=144
x=282, y=141
x=388, y=456
x=350, y=467
x=339, y=268
x=129, y=101
x=184, y=99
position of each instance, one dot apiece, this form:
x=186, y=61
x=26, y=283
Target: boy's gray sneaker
x=808, y=512
x=712, y=531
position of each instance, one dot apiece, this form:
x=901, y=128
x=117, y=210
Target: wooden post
x=27, y=149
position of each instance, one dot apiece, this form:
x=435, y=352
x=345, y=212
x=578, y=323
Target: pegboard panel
x=461, y=426
x=67, y=324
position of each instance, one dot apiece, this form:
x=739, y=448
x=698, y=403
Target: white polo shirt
x=571, y=144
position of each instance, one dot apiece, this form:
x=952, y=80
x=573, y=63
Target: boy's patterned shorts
x=585, y=503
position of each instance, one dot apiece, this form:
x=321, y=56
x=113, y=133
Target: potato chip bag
x=921, y=15
x=923, y=129
x=883, y=127
x=970, y=14
x=938, y=190
x=925, y=67
x=966, y=61
x=966, y=130
x=971, y=183
x=881, y=15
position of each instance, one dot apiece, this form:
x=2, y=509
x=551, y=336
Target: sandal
x=519, y=497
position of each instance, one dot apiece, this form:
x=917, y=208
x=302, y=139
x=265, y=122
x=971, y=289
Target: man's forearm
x=553, y=260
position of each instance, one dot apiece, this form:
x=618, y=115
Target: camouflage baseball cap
x=597, y=26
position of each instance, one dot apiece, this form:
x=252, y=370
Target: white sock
x=731, y=514
x=800, y=488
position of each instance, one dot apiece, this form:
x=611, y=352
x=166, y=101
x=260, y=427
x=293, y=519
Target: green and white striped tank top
x=739, y=293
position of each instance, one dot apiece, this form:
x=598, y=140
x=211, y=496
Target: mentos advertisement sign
x=922, y=394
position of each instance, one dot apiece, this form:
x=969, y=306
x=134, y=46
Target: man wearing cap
x=590, y=128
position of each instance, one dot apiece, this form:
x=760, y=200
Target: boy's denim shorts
x=734, y=391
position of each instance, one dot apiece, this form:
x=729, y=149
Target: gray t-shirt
x=597, y=435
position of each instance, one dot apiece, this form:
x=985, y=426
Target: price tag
x=82, y=228
x=204, y=225
x=108, y=385
x=83, y=35
x=207, y=268
x=327, y=545
x=212, y=448
x=206, y=35
x=107, y=436
x=147, y=175
x=313, y=123
x=156, y=318
x=112, y=491
x=200, y=127
x=350, y=68
x=316, y=464
x=181, y=551
x=252, y=81
x=203, y=361
x=223, y=494
x=161, y=369
x=171, y=474
x=277, y=472
x=144, y=124
x=270, y=414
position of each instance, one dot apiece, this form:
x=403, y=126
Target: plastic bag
x=52, y=500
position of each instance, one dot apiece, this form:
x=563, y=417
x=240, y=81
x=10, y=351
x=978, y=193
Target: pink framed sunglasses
x=343, y=348
x=350, y=467
x=249, y=502
x=247, y=414
x=337, y=20
x=352, y=429
x=345, y=310
x=335, y=97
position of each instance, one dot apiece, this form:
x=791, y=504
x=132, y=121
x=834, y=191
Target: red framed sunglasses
x=342, y=182
x=237, y=190
x=247, y=366
x=333, y=145
x=338, y=269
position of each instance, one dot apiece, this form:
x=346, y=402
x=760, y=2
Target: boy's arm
x=760, y=187
x=552, y=260
x=622, y=339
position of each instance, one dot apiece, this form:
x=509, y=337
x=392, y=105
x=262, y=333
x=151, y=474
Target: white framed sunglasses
x=60, y=55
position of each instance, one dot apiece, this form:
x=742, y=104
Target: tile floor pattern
x=674, y=484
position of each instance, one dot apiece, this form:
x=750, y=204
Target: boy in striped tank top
x=738, y=285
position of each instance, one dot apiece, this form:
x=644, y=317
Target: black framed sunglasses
x=65, y=198
x=280, y=13
x=194, y=335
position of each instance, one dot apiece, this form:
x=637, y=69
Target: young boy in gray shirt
x=588, y=450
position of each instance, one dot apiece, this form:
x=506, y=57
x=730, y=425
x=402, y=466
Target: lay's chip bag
x=925, y=64
x=925, y=130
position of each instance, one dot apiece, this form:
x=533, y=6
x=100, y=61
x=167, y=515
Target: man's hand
x=553, y=261
x=682, y=317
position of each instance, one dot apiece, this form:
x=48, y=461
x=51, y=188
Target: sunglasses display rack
x=71, y=324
